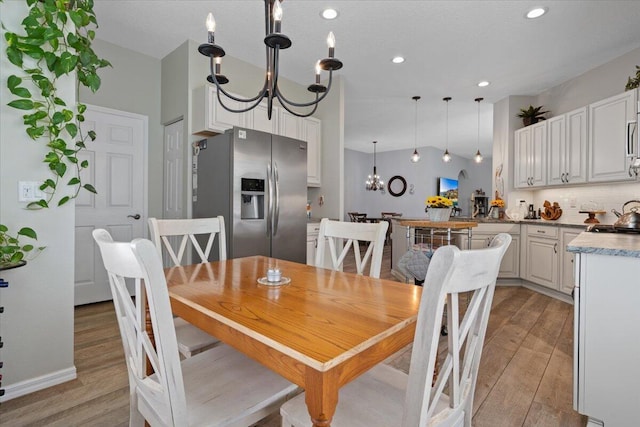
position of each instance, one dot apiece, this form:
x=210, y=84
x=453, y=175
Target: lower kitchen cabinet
x=567, y=260
x=481, y=238
x=545, y=260
x=312, y=242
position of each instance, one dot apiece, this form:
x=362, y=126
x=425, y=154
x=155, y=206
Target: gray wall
x=423, y=175
x=133, y=85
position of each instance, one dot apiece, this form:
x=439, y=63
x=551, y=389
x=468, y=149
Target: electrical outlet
x=573, y=202
x=29, y=191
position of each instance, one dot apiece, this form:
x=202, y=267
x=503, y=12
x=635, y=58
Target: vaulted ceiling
x=449, y=47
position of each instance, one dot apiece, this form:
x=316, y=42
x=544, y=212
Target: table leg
x=321, y=394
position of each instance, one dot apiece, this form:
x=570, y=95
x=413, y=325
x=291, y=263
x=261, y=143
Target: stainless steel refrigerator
x=258, y=182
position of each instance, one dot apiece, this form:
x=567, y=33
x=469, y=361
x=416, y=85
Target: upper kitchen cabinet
x=312, y=133
x=609, y=147
x=567, y=148
x=257, y=119
x=209, y=117
x=530, y=156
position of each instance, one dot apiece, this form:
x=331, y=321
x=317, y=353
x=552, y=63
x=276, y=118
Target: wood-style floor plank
x=525, y=373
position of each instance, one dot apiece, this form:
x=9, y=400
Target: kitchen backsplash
x=608, y=196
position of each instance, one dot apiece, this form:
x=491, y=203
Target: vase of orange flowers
x=438, y=208
x=496, y=206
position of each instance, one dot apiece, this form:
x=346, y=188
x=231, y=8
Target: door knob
x=136, y=216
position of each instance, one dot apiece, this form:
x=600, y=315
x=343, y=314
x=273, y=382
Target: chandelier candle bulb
x=318, y=69
x=331, y=42
x=277, y=16
x=211, y=27
x=218, y=62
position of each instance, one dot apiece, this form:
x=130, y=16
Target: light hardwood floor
x=525, y=374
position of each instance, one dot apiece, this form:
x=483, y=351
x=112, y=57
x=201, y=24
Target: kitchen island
x=606, y=319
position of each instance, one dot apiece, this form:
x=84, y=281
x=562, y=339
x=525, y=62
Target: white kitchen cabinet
x=209, y=117
x=312, y=242
x=567, y=263
x=606, y=348
x=290, y=125
x=257, y=119
x=608, y=119
x=567, y=148
x=481, y=238
x=530, y=162
x=312, y=134
x=541, y=255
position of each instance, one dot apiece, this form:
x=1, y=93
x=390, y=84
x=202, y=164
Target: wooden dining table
x=320, y=331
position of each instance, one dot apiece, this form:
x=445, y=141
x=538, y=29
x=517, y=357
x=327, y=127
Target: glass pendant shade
x=415, y=156
x=446, y=157
x=374, y=182
x=478, y=157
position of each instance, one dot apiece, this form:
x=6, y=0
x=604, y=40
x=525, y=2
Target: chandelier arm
x=282, y=98
x=241, y=110
x=230, y=96
x=284, y=105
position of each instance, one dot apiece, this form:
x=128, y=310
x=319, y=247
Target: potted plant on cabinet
x=531, y=115
x=634, y=82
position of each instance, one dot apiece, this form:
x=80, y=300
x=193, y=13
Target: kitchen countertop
x=508, y=221
x=614, y=244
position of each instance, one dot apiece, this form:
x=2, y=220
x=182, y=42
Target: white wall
x=37, y=323
x=423, y=175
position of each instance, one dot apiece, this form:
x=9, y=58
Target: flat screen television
x=448, y=187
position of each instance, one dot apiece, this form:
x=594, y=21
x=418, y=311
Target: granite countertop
x=508, y=221
x=614, y=244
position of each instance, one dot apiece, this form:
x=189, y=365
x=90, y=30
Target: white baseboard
x=39, y=383
x=548, y=292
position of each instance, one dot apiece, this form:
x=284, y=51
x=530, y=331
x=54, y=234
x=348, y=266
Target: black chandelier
x=374, y=182
x=274, y=41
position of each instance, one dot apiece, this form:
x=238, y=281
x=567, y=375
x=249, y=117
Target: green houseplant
x=633, y=82
x=12, y=252
x=531, y=115
x=56, y=42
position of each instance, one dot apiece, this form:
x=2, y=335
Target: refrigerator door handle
x=270, y=201
x=276, y=208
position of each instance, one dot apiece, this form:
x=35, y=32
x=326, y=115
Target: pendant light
x=374, y=182
x=446, y=157
x=415, y=157
x=478, y=156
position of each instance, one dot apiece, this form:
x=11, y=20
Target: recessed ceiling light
x=397, y=60
x=536, y=12
x=329, y=14
x=483, y=83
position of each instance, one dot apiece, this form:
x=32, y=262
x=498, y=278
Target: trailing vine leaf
x=56, y=41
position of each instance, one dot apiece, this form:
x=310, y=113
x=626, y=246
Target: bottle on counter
x=308, y=209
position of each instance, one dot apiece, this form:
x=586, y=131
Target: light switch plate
x=29, y=191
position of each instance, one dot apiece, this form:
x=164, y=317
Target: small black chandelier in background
x=274, y=41
x=478, y=156
x=374, y=182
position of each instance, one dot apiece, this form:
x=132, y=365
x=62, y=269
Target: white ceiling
x=449, y=47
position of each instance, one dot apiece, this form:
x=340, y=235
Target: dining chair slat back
x=190, y=338
x=351, y=234
x=385, y=396
x=188, y=229
x=202, y=390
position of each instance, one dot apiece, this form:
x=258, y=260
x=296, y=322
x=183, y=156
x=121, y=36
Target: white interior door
x=118, y=170
x=174, y=162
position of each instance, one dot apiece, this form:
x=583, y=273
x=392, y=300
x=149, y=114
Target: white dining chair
x=190, y=338
x=385, y=396
x=351, y=233
x=217, y=387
